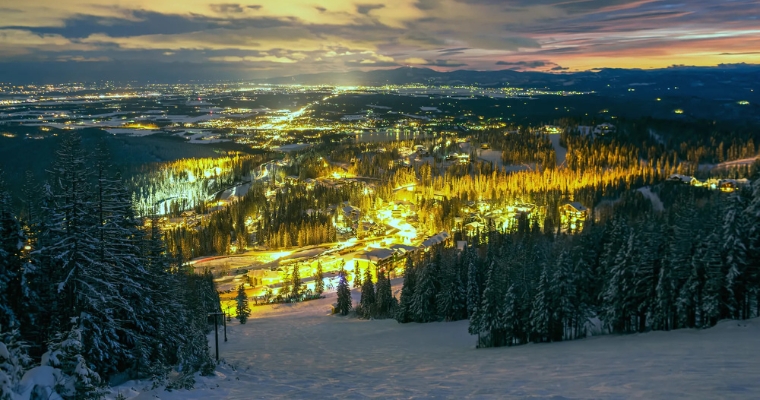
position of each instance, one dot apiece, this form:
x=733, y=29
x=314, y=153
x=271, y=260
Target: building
x=573, y=215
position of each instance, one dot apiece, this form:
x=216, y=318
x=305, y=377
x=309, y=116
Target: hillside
x=299, y=351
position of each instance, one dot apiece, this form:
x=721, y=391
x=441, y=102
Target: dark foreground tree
x=366, y=307
x=344, y=293
x=243, y=311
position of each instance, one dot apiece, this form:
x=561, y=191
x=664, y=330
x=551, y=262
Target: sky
x=228, y=39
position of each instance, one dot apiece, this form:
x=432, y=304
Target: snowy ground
x=561, y=151
x=299, y=351
x=653, y=197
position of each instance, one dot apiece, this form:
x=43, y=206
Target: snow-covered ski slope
x=299, y=352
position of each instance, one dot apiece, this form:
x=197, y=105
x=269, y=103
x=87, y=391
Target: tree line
x=87, y=294
x=633, y=271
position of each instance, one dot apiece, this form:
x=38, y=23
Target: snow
x=293, y=147
x=288, y=351
x=653, y=197
x=737, y=163
x=45, y=378
x=558, y=149
x=131, y=132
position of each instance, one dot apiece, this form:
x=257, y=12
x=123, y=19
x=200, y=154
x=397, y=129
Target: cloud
x=523, y=64
x=433, y=63
x=252, y=59
x=367, y=8
x=371, y=64
x=19, y=42
x=332, y=35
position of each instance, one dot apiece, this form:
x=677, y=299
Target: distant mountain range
x=692, y=79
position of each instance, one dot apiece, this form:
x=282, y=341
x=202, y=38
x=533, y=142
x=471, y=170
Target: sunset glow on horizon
x=260, y=38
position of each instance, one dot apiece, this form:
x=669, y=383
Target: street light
x=216, y=331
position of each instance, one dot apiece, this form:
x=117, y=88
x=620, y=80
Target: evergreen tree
x=541, y=312
x=452, y=299
x=735, y=254
x=404, y=312
x=13, y=362
x=319, y=280
x=357, y=277
x=423, y=307
x=473, y=290
x=243, y=311
x=11, y=265
x=617, y=305
x=344, y=293
x=386, y=304
x=296, y=284
x=511, y=317
x=87, y=287
x=66, y=354
x=367, y=304
x=488, y=322
x=568, y=311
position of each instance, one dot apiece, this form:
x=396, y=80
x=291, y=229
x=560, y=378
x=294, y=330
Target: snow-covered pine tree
x=295, y=283
x=618, y=309
x=66, y=353
x=319, y=280
x=13, y=362
x=735, y=233
x=488, y=322
x=386, y=304
x=12, y=242
x=714, y=285
x=541, y=310
x=344, y=293
x=567, y=311
x=452, y=299
x=367, y=302
x=752, y=216
x=473, y=289
x=404, y=313
x=423, y=307
x=243, y=311
x=357, y=277
x=192, y=354
x=647, y=266
x=87, y=288
x=119, y=237
x=511, y=317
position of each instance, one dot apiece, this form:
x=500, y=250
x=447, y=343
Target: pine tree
x=488, y=321
x=367, y=304
x=423, y=307
x=735, y=254
x=473, y=290
x=541, y=312
x=357, y=277
x=404, y=312
x=67, y=354
x=511, y=317
x=752, y=216
x=617, y=305
x=243, y=311
x=386, y=304
x=87, y=287
x=567, y=310
x=452, y=300
x=11, y=265
x=296, y=284
x=319, y=280
x=13, y=362
x=344, y=293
